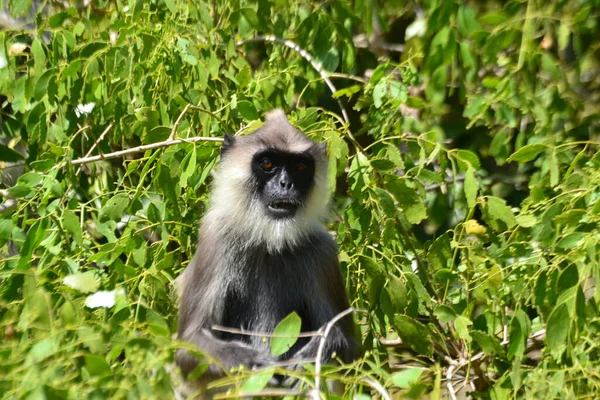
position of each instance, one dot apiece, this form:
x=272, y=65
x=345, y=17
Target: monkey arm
x=329, y=300
x=229, y=354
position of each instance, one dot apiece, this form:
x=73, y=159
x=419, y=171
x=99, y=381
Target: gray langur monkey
x=264, y=253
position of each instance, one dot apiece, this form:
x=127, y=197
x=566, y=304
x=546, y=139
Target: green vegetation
x=467, y=185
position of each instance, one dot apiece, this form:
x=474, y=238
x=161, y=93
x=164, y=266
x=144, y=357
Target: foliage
x=466, y=200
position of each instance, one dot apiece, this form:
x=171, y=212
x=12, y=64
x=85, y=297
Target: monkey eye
x=266, y=164
x=301, y=166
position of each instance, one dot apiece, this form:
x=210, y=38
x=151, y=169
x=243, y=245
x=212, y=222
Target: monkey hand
x=233, y=354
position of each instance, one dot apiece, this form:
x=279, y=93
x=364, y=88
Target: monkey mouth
x=283, y=208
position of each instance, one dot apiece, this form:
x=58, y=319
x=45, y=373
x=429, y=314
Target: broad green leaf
x=71, y=224
x=8, y=154
x=6, y=226
x=247, y=110
x=403, y=379
x=500, y=211
x=113, y=209
x=557, y=328
x=489, y=344
x=471, y=187
x=527, y=153
x=414, y=334
x=257, y=382
x=398, y=294
x=445, y=314
x=408, y=199
x=572, y=240
x=567, y=279
x=156, y=134
x=42, y=350
x=461, y=324
x=96, y=365
x=290, y=326
x=379, y=93
x=526, y=221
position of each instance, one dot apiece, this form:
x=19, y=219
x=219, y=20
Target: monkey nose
x=286, y=184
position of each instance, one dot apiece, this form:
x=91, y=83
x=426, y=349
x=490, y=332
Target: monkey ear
x=228, y=141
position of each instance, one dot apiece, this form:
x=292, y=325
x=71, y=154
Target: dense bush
x=464, y=163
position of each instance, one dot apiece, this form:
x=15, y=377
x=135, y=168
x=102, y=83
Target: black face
x=284, y=180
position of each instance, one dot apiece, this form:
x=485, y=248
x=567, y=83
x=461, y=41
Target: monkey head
x=271, y=187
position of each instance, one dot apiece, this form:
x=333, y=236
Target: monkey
x=263, y=253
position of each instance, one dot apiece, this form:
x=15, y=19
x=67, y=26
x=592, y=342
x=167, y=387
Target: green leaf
x=519, y=333
x=114, y=207
x=42, y=350
x=383, y=165
x=20, y=191
x=71, y=224
x=461, y=324
x=445, y=314
x=190, y=168
x=526, y=221
x=489, y=344
x=371, y=266
x=567, y=279
x=398, y=294
x=405, y=378
x=6, y=226
x=247, y=110
x=9, y=155
x=96, y=365
x=557, y=328
x=84, y=282
x=572, y=240
x=467, y=159
x=257, y=382
x=409, y=200
x=500, y=211
x=467, y=21
x=379, y=93
x=414, y=334
x=527, y=153
x=156, y=134
x=471, y=187
x=290, y=326
x=39, y=57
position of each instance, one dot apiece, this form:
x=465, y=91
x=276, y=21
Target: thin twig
x=315, y=64
x=376, y=386
x=321, y=348
x=263, y=393
x=349, y=77
x=108, y=128
x=185, y=110
x=145, y=147
x=263, y=334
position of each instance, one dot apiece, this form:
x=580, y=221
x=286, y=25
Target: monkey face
x=283, y=181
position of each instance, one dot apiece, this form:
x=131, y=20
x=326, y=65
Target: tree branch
x=145, y=147
x=315, y=64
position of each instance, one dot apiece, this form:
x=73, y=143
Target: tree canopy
x=463, y=165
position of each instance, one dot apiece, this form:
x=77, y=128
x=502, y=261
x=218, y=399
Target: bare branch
x=326, y=331
x=108, y=128
x=377, y=387
x=145, y=147
x=315, y=64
